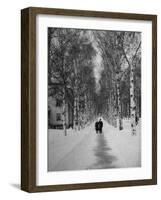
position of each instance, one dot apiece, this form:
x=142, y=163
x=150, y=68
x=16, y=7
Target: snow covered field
x=87, y=150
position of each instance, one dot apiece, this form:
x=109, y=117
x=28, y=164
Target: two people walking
x=99, y=126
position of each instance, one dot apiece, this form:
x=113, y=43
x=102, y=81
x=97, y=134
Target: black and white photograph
x=94, y=99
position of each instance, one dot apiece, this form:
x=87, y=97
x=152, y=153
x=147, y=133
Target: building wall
x=54, y=110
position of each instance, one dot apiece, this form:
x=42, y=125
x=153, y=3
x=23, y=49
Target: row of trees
x=71, y=76
x=71, y=72
x=121, y=52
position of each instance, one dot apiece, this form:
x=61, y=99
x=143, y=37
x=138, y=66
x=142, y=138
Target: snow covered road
x=87, y=150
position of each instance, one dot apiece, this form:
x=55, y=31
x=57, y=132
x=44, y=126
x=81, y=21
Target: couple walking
x=99, y=126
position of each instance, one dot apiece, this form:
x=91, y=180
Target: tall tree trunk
x=74, y=116
x=75, y=113
x=110, y=110
x=132, y=98
x=78, y=113
x=119, y=105
x=75, y=97
x=114, y=102
x=132, y=101
x=64, y=112
x=128, y=109
x=85, y=110
x=114, y=110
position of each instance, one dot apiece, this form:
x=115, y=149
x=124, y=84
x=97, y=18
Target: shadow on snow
x=104, y=159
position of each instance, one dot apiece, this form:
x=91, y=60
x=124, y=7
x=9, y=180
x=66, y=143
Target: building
x=55, y=116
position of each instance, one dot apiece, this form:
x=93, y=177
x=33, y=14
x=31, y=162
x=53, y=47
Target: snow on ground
x=87, y=150
x=61, y=146
x=125, y=146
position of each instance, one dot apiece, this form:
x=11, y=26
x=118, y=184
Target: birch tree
x=130, y=43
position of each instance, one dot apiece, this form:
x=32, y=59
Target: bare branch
x=136, y=51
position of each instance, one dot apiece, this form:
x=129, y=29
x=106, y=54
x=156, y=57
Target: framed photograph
x=88, y=99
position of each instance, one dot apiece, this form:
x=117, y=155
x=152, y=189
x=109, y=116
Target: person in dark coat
x=97, y=126
x=100, y=125
x=136, y=120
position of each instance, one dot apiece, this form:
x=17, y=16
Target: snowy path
x=88, y=150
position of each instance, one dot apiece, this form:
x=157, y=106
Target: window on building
x=58, y=103
x=58, y=117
